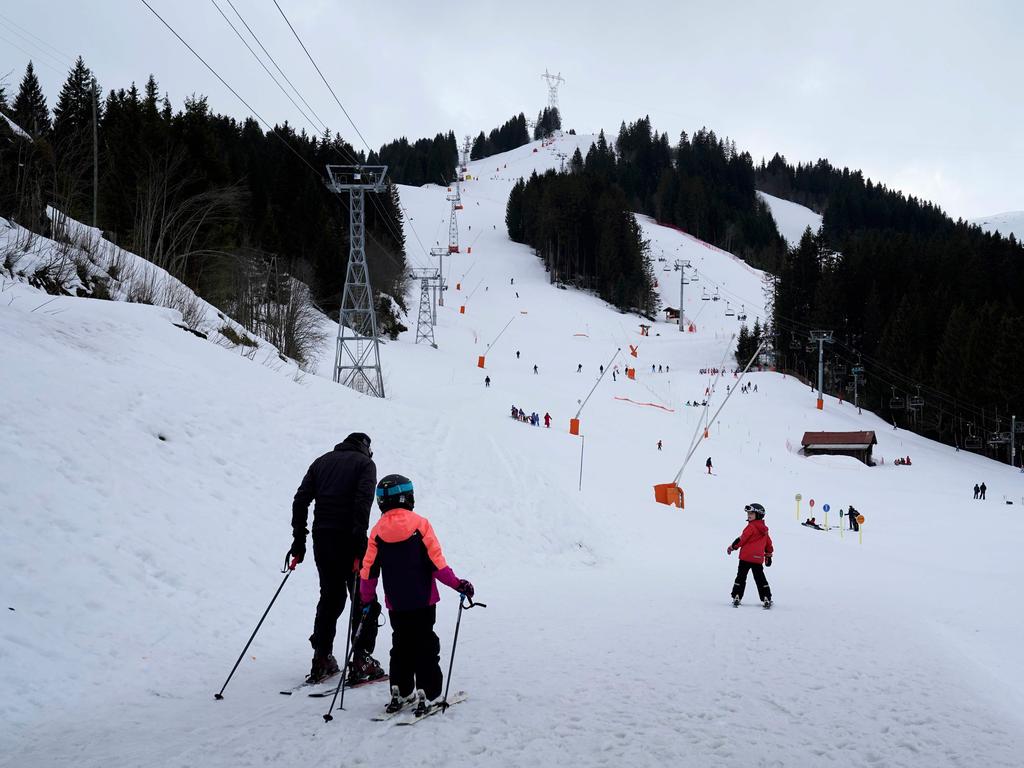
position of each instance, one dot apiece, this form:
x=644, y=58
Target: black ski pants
x=334, y=554
x=763, y=590
x=415, y=652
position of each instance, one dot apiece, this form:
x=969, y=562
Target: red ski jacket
x=754, y=543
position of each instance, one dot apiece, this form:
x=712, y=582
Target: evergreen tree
x=73, y=113
x=29, y=110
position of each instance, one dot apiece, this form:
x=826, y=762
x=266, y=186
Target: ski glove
x=298, y=550
x=768, y=561
x=466, y=588
x=728, y=550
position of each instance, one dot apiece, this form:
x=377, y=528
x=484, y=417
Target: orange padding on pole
x=458, y=286
x=652, y=405
x=469, y=249
x=574, y=426
x=631, y=373
x=462, y=309
x=480, y=362
x=669, y=493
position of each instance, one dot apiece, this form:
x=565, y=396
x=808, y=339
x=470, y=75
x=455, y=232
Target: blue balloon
x=826, y=507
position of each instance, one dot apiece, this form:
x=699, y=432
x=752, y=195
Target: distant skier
x=535, y=369
x=982, y=489
x=708, y=465
x=511, y=281
x=579, y=368
x=404, y=548
x=659, y=445
x=341, y=482
x=547, y=420
x=487, y=381
x=601, y=370
x=615, y=376
x=517, y=354
x=977, y=490
x=755, y=546
x=852, y=518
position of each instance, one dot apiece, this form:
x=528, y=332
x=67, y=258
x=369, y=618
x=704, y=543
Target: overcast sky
x=926, y=97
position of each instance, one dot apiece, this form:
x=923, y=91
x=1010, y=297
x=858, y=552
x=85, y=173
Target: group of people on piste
x=402, y=548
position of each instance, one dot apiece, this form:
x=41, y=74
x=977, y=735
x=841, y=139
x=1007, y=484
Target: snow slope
x=147, y=476
x=791, y=219
x=1010, y=223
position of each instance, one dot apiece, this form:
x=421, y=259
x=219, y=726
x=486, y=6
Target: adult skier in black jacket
x=343, y=483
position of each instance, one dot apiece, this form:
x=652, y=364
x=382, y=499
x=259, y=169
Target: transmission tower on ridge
x=357, y=356
x=553, y=82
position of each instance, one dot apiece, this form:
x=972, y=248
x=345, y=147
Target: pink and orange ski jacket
x=403, y=548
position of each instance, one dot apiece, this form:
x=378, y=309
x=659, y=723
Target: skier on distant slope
x=404, y=548
x=342, y=482
x=755, y=546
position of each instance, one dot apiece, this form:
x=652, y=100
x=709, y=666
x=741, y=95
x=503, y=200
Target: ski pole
x=348, y=636
x=287, y=571
x=464, y=597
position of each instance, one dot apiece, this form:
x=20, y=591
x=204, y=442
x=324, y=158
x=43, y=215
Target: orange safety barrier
x=480, y=362
x=631, y=373
x=633, y=350
x=574, y=426
x=469, y=249
x=462, y=309
x=458, y=286
x=670, y=494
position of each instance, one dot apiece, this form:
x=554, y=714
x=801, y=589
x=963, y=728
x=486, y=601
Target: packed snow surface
x=791, y=219
x=1006, y=224
x=146, y=477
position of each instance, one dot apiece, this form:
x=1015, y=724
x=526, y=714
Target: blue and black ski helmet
x=394, y=491
x=756, y=508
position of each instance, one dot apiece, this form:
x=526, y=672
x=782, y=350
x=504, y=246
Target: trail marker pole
x=825, y=507
x=583, y=441
x=798, y=498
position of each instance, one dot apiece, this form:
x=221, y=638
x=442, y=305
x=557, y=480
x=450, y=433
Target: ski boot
x=363, y=668
x=324, y=665
x=421, y=703
x=735, y=601
x=767, y=603
x=397, y=701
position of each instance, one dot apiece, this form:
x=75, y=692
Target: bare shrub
x=177, y=296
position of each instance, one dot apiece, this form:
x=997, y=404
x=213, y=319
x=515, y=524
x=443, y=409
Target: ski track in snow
x=137, y=567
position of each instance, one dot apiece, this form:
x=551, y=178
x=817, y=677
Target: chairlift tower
x=453, y=224
x=822, y=338
x=357, y=356
x=426, y=318
x=439, y=253
x=464, y=164
x=682, y=265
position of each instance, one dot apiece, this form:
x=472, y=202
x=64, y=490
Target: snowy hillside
x=791, y=219
x=1010, y=223
x=148, y=474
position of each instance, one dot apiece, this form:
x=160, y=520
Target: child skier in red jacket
x=755, y=546
x=403, y=548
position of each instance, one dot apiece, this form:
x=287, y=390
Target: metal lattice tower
x=357, y=356
x=553, y=82
x=453, y=225
x=682, y=265
x=466, y=146
x=424, y=320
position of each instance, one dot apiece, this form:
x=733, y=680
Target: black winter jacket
x=343, y=483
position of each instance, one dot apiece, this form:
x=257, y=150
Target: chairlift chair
x=728, y=310
x=896, y=403
x=716, y=297
x=704, y=295
x=742, y=313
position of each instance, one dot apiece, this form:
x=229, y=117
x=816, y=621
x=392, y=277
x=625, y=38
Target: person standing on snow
x=755, y=546
x=659, y=445
x=708, y=464
x=487, y=381
x=404, y=549
x=982, y=489
x=535, y=370
x=579, y=368
x=977, y=490
x=341, y=482
x=547, y=420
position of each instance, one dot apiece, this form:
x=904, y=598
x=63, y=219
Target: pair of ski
x=767, y=606
x=331, y=684
x=432, y=709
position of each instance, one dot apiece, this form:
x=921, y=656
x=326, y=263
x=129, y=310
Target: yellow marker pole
x=860, y=532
